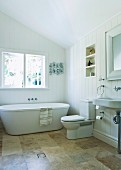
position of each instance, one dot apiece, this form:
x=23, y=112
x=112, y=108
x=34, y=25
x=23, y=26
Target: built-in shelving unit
x=90, y=61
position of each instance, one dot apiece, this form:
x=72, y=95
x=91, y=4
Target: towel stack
x=45, y=116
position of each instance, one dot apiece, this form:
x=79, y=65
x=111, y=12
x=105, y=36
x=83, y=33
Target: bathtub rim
x=13, y=107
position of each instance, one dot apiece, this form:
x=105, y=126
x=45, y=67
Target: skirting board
x=105, y=138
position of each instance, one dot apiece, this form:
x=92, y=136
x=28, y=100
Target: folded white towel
x=45, y=116
x=44, y=122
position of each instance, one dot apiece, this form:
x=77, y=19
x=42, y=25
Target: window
x=21, y=70
x=12, y=69
x=35, y=70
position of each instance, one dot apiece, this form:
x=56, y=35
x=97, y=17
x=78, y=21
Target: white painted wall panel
x=88, y=86
x=14, y=35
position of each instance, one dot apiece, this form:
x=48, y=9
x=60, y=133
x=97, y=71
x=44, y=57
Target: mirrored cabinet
x=90, y=61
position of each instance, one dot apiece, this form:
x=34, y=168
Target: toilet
x=80, y=126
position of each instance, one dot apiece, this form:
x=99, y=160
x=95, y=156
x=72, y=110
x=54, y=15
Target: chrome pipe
x=119, y=131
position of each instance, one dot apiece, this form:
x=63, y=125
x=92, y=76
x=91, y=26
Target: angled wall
x=16, y=36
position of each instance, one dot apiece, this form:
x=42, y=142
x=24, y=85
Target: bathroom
x=72, y=86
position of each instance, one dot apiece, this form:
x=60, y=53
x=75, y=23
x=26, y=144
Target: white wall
x=16, y=36
x=79, y=87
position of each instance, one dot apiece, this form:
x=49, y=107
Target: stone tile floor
x=53, y=151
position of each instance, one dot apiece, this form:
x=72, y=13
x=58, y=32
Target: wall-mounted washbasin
x=108, y=102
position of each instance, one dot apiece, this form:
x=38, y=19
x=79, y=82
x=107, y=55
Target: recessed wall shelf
x=90, y=61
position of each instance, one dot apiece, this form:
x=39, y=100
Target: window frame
x=24, y=72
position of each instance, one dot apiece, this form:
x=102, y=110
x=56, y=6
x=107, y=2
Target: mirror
x=113, y=53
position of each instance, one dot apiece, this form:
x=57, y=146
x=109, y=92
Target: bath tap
x=28, y=99
x=35, y=99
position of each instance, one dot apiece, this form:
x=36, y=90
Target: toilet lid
x=72, y=118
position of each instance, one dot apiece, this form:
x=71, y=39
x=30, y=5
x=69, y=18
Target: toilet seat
x=72, y=118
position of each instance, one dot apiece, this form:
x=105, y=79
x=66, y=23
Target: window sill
x=46, y=88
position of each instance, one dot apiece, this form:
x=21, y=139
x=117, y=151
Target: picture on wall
x=56, y=68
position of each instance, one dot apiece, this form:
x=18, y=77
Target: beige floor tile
x=81, y=157
x=11, y=150
x=89, y=143
x=30, y=147
x=9, y=137
x=11, y=145
x=53, y=151
x=98, y=152
x=46, y=140
x=93, y=165
x=60, y=139
x=112, y=161
x=71, y=147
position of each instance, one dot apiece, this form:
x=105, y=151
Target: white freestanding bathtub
x=25, y=118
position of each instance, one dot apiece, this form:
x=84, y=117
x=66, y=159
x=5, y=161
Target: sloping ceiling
x=62, y=21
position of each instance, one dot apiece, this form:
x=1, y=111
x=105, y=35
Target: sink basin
x=108, y=102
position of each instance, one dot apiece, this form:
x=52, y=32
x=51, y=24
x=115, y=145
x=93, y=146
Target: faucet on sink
x=117, y=88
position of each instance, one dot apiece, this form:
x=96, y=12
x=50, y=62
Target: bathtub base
x=25, y=121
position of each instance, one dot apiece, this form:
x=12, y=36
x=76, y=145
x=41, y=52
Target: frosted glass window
x=13, y=69
x=20, y=70
x=35, y=70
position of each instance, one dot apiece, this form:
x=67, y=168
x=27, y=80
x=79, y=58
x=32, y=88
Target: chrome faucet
x=32, y=99
x=117, y=88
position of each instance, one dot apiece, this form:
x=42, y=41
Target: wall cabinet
x=90, y=61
